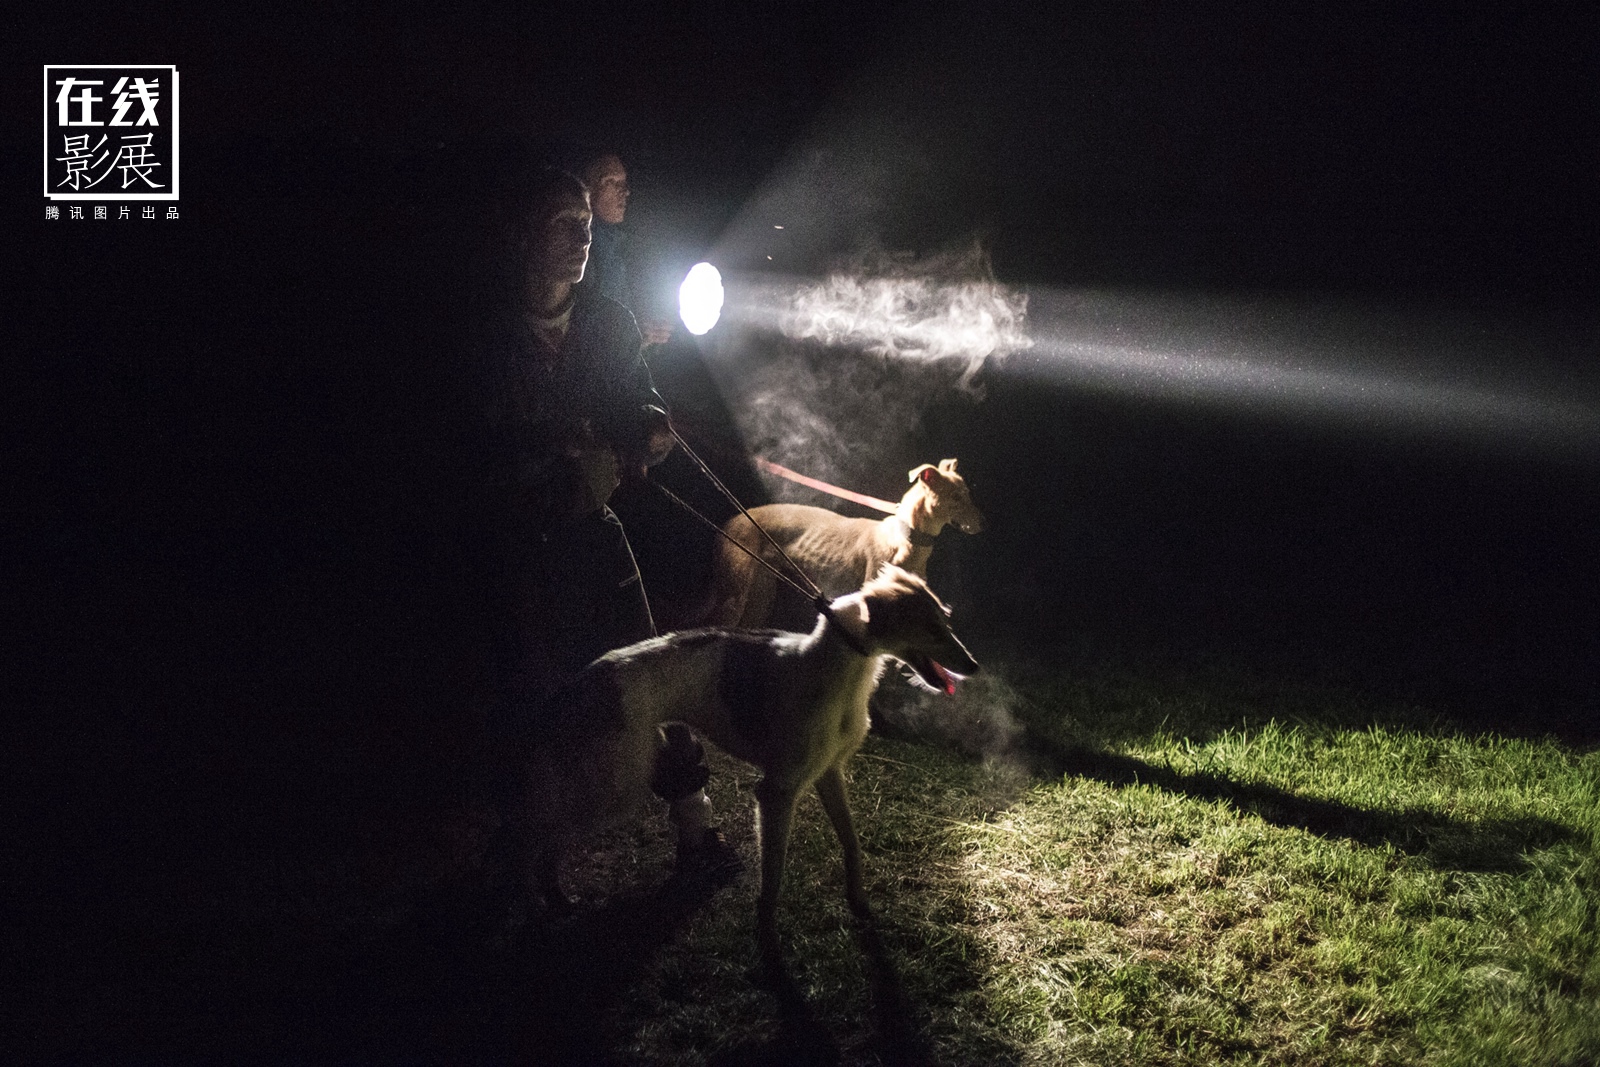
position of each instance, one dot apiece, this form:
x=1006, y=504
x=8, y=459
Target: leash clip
x=825, y=607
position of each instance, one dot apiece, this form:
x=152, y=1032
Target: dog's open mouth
x=932, y=674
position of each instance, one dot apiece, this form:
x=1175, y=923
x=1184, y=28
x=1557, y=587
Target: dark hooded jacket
x=608, y=264
x=595, y=389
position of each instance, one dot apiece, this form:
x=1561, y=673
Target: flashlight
x=700, y=298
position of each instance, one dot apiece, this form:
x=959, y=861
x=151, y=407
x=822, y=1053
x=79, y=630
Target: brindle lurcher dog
x=839, y=553
x=794, y=705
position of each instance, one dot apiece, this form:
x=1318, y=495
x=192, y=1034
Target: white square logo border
x=173, y=174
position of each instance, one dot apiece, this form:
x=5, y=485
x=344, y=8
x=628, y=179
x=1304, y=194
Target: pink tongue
x=945, y=679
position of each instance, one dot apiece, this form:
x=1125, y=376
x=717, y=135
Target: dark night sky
x=1257, y=144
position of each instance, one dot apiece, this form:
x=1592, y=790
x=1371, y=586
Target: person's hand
x=659, y=437
x=657, y=441
x=656, y=332
x=597, y=464
x=601, y=475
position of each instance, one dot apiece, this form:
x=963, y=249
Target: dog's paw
x=773, y=976
x=711, y=859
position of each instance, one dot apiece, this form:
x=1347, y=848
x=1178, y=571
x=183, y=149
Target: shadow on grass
x=803, y=1040
x=439, y=987
x=899, y=1040
x=1443, y=841
x=565, y=979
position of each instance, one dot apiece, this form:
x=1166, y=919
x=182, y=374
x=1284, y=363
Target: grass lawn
x=1192, y=870
x=1069, y=865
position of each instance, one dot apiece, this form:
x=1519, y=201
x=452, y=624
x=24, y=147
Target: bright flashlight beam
x=1294, y=362
x=1480, y=375
x=700, y=298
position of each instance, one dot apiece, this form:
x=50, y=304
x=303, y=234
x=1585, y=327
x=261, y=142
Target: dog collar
x=914, y=535
x=849, y=638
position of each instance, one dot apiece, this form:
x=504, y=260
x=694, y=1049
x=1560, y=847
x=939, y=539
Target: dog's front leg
x=776, y=807
x=836, y=802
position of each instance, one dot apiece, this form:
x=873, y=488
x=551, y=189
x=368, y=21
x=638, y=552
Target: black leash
x=686, y=506
x=814, y=594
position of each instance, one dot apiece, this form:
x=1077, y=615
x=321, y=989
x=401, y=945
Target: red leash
x=813, y=483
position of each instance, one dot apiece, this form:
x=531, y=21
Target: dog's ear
x=947, y=465
x=920, y=471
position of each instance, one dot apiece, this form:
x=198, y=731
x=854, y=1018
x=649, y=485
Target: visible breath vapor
x=979, y=720
x=839, y=376
x=937, y=309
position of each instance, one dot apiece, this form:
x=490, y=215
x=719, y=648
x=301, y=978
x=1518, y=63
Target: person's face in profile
x=608, y=185
x=561, y=239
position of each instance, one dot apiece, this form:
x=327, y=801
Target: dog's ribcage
x=839, y=553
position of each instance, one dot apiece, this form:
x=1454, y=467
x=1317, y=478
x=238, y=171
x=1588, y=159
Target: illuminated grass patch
x=1217, y=877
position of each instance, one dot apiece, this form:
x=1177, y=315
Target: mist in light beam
x=834, y=375
x=876, y=343
x=933, y=310
x=1492, y=379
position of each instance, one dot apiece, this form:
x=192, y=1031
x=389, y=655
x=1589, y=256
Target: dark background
x=249, y=587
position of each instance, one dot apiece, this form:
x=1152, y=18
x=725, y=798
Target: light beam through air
x=1485, y=377
x=1478, y=375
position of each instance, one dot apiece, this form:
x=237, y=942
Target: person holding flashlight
x=607, y=180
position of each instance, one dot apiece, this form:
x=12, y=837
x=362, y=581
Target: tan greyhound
x=839, y=553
